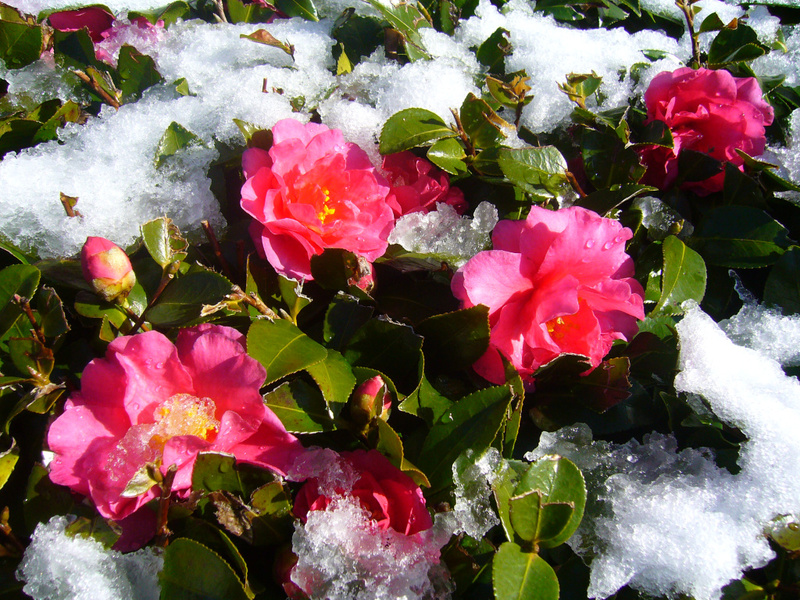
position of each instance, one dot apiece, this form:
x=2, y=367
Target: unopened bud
x=363, y=277
x=107, y=268
x=371, y=399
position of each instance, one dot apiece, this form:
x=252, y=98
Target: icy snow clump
x=56, y=566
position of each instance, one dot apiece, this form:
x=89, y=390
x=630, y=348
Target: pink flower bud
x=363, y=277
x=107, y=268
x=371, y=399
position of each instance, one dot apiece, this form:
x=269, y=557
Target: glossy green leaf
x=407, y=19
x=696, y=166
x=448, y=154
x=251, y=12
x=520, y=575
x=426, y=403
x=783, y=283
x=8, y=460
x=156, y=236
x=533, y=519
x=388, y=443
x=560, y=482
x=410, y=128
x=88, y=305
x=605, y=200
x=175, y=138
x=455, y=340
x=343, y=318
x=493, y=51
x=20, y=43
x=184, y=297
x=538, y=170
x=335, y=379
x=472, y=422
x=292, y=295
x=735, y=45
x=608, y=161
x=214, y=471
x=19, y=280
x=193, y=571
x=683, y=277
x=304, y=9
x=169, y=14
x=282, y=348
x=50, y=313
x=739, y=237
x=74, y=49
x=388, y=347
x=137, y=72
x=481, y=123
x=300, y=407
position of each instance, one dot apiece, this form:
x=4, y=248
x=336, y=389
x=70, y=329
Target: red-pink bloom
x=388, y=495
x=95, y=19
x=370, y=399
x=706, y=111
x=107, y=268
x=417, y=185
x=149, y=401
x=558, y=282
x=311, y=191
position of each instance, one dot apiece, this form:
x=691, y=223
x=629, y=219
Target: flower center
x=181, y=414
x=558, y=328
x=326, y=211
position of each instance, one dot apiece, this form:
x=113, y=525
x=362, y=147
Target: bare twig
x=93, y=84
x=688, y=13
x=212, y=238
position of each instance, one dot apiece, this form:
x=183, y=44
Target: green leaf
x=410, y=128
x=335, y=379
x=169, y=14
x=407, y=19
x=696, y=166
x=387, y=347
x=683, y=277
x=711, y=23
x=343, y=318
x=88, y=305
x=193, y=571
x=292, y=295
x=252, y=12
x=163, y=241
x=184, y=297
x=481, y=123
x=176, y=137
x=493, y=51
x=20, y=43
x=448, y=154
x=560, y=482
x=426, y=403
x=783, y=283
x=74, y=50
x=455, y=340
x=8, y=460
x=19, y=280
x=282, y=348
x=604, y=201
x=298, y=8
x=533, y=519
x=262, y=36
x=472, y=422
x=137, y=72
x=739, y=237
x=735, y=45
x=300, y=407
x=607, y=160
x=215, y=471
x=537, y=170
x=520, y=575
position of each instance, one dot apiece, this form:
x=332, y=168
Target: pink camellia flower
x=417, y=185
x=707, y=111
x=311, y=191
x=152, y=402
x=558, y=282
x=387, y=494
x=107, y=268
x=94, y=18
x=370, y=399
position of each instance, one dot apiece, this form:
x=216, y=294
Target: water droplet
x=608, y=245
x=589, y=244
x=159, y=365
x=618, y=239
x=148, y=362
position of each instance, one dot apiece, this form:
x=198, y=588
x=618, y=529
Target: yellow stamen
x=326, y=211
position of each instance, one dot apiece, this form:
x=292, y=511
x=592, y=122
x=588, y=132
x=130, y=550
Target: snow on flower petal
x=558, y=282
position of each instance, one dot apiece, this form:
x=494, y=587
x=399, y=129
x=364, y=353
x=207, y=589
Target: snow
x=56, y=566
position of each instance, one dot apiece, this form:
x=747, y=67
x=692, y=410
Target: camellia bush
x=321, y=299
